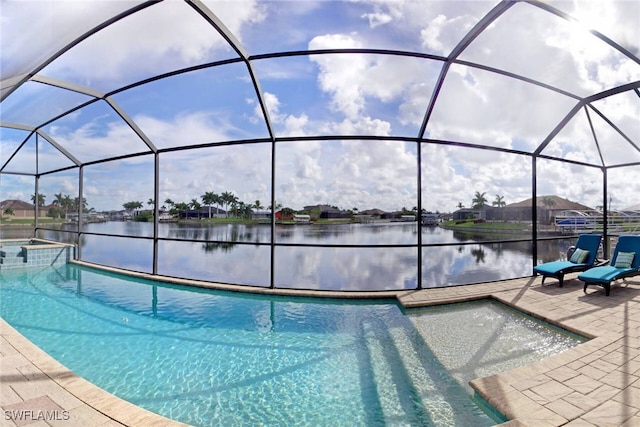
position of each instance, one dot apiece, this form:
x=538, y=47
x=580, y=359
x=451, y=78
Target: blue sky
x=317, y=95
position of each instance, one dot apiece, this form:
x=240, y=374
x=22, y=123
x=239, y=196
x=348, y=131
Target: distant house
x=301, y=218
x=203, y=213
x=430, y=218
x=261, y=215
x=546, y=209
x=326, y=212
x=23, y=209
x=280, y=216
x=467, y=213
x=397, y=215
x=373, y=213
x=121, y=215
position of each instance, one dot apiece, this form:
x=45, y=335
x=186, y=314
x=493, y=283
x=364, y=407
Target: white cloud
x=376, y=19
x=153, y=43
x=237, y=14
x=467, y=110
x=57, y=24
x=384, y=12
x=436, y=36
x=184, y=128
x=362, y=174
x=355, y=81
x=293, y=125
x=98, y=139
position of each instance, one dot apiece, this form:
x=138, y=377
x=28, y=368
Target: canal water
x=376, y=256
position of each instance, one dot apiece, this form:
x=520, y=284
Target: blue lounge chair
x=625, y=262
x=583, y=258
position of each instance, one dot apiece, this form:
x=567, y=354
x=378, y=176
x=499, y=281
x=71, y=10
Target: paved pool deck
x=594, y=384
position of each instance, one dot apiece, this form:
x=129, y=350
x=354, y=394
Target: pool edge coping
x=390, y=294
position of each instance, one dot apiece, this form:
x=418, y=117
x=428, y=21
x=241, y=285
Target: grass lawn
x=29, y=221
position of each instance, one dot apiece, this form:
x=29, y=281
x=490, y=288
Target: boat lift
x=575, y=221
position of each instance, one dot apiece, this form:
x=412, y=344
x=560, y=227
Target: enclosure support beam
x=80, y=193
x=156, y=209
x=534, y=210
x=419, y=219
x=605, y=216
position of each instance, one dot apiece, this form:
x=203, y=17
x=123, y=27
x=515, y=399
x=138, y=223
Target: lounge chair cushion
x=554, y=267
x=604, y=274
x=624, y=259
x=579, y=256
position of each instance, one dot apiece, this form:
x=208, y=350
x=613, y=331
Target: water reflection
x=457, y=265
x=240, y=264
x=348, y=269
x=217, y=232
x=241, y=254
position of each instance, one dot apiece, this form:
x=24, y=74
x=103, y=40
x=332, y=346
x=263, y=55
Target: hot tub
x=22, y=253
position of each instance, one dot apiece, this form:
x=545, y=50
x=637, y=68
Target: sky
x=310, y=96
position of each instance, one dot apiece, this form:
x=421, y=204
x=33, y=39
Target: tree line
x=480, y=200
x=62, y=204
x=227, y=201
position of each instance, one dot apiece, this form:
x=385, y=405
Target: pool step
x=393, y=365
x=12, y=255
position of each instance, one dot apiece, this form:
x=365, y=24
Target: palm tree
x=241, y=209
x=83, y=205
x=548, y=202
x=8, y=212
x=257, y=205
x=180, y=207
x=499, y=202
x=132, y=206
x=151, y=202
x=460, y=205
x=479, y=200
x=66, y=204
x=41, y=198
x=217, y=200
x=195, y=204
x=277, y=207
x=59, y=199
x=169, y=202
x=57, y=211
x=208, y=199
x=228, y=198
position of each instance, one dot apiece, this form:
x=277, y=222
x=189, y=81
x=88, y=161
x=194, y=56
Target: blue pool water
x=213, y=358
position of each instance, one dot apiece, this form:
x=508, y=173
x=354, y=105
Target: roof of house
x=16, y=205
x=558, y=203
x=374, y=211
x=632, y=208
x=322, y=208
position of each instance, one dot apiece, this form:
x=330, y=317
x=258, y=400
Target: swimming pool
x=214, y=358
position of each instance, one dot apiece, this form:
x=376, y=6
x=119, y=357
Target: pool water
x=211, y=358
